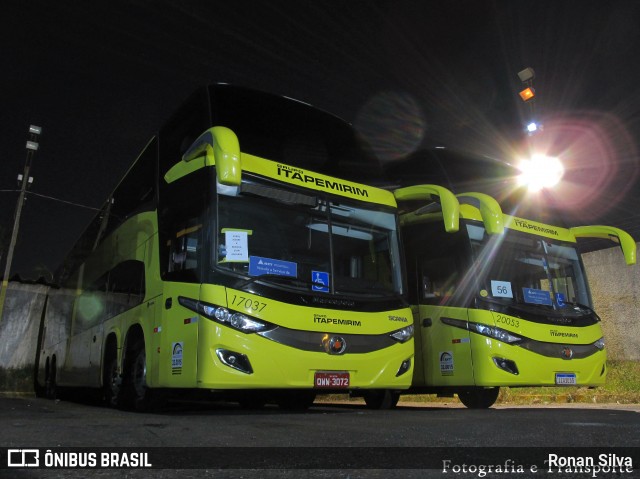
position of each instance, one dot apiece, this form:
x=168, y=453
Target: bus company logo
x=323, y=319
x=561, y=334
x=526, y=225
x=23, y=458
x=301, y=176
x=566, y=352
x=334, y=345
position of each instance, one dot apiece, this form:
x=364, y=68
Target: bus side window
x=126, y=286
x=439, y=280
x=180, y=229
x=184, y=253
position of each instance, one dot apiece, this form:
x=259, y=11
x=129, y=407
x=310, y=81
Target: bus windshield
x=530, y=272
x=297, y=239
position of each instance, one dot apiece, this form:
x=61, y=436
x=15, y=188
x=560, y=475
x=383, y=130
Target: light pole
x=25, y=181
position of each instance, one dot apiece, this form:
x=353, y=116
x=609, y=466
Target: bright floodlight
x=527, y=94
x=532, y=127
x=540, y=172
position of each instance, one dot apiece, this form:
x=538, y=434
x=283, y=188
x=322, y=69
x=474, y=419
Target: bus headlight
x=403, y=335
x=246, y=324
x=495, y=333
x=599, y=343
x=221, y=315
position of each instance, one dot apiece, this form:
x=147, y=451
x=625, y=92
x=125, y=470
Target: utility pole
x=25, y=181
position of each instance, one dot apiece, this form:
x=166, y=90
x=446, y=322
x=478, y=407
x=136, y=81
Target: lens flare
x=540, y=172
x=392, y=125
x=599, y=159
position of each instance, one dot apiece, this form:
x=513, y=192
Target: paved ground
x=330, y=440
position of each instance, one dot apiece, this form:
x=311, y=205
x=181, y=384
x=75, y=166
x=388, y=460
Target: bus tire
x=296, y=400
x=135, y=394
x=381, y=398
x=252, y=401
x=110, y=381
x=50, y=386
x=479, y=398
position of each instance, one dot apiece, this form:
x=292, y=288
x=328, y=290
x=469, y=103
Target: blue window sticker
x=536, y=296
x=561, y=300
x=320, y=280
x=259, y=266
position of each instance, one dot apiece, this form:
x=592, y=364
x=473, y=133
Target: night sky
x=101, y=77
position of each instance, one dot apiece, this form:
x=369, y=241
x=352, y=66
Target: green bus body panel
x=538, y=229
x=91, y=324
x=230, y=165
x=120, y=245
x=469, y=356
x=316, y=181
x=196, y=364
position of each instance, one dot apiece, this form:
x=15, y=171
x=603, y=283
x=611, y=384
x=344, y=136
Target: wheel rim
x=140, y=375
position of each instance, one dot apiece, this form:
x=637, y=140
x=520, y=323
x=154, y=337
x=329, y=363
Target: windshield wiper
x=278, y=278
x=580, y=306
x=372, y=290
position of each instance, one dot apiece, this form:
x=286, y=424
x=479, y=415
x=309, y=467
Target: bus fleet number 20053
x=507, y=320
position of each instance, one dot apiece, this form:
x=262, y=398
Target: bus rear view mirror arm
x=627, y=243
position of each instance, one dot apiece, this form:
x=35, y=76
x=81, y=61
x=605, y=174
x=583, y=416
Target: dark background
x=101, y=77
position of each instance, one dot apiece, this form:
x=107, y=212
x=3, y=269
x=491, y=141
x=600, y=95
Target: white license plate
x=566, y=379
x=331, y=379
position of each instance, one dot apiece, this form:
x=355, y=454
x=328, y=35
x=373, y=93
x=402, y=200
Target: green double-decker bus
x=229, y=260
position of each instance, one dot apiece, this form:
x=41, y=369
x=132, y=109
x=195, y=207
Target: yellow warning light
x=527, y=94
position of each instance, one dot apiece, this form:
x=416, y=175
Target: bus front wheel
x=296, y=400
x=479, y=398
x=381, y=399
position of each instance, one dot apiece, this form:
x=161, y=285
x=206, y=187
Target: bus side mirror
x=448, y=202
x=219, y=147
x=490, y=210
x=624, y=239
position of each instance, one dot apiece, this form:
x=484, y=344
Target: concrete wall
x=614, y=286
x=19, y=327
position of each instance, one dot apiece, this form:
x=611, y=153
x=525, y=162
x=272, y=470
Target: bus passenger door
x=446, y=348
x=179, y=350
